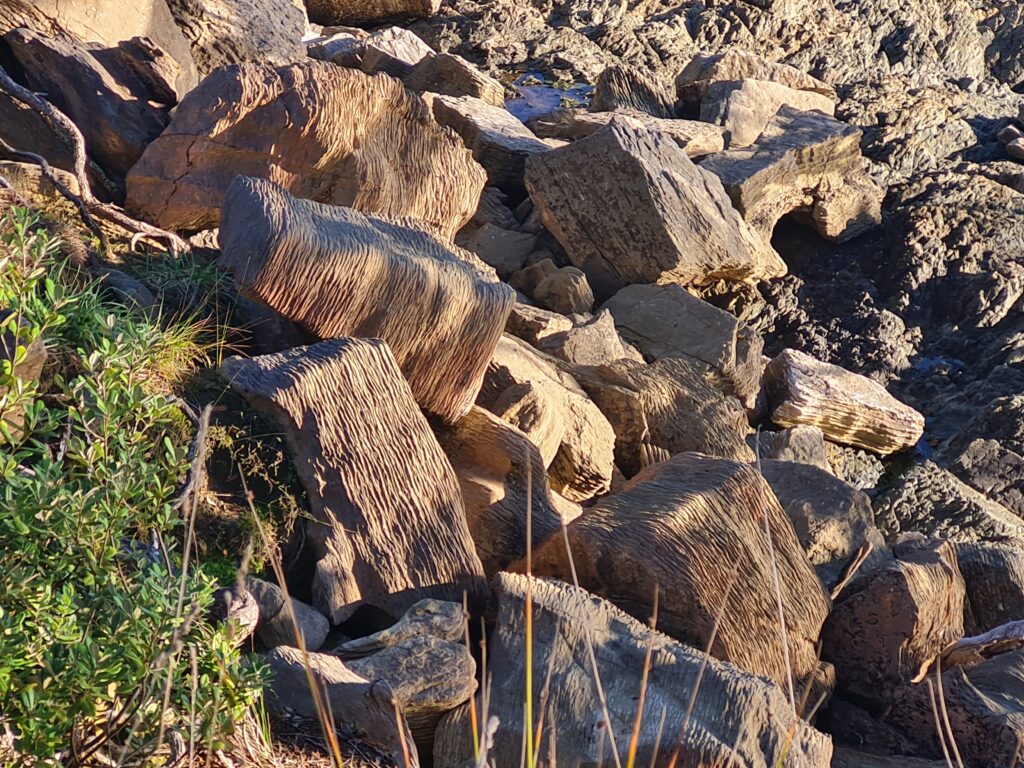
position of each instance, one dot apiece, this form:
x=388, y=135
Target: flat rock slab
x=680, y=528
x=630, y=207
x=337, y=272
x=849, y=408
x=323, y=132
x=390, y=527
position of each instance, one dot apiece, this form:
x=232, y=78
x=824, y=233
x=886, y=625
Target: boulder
x=394, y=51
x=744, y=108
x=427, y=618
x=666, y=320
x=342, y=149
x=663, y=409
x=849, y=408
x=680, y=529
x=803, y=445
x=345, y=49
x=237, y=611
x=806, y=163
x=994, y=578
x=736, y=64
x=629, y=207
x=504, y=249
x=888, y=626
x=561, y=289
x=388, y=526
x=28, y=178
x=626, y=87
x=575, y=439
x=368, y=11
x=439, y=313
x=451, y=75
x=276, y=626
x=533, y=324
x=569, y=625
x=592, y=340
x=850, y=758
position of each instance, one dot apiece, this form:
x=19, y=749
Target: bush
x=92, y=629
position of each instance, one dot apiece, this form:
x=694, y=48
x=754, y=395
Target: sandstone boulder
x=276, y=626
x=440, y=315
x=368, y=11
x=626, y=87
x=451, y=75
x=736, y=64
x=629, y=207
x=394, y=51
x=533, y=324
x=744, y=108
x=324, y=132
x=592, y=340
x=504, y=249
x=561, y=289
x=994, y=577
x=389, y=525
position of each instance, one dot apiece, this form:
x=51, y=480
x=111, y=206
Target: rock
x=427, y=618
x=122, y=288
x=451, y=75
x=930, y=500
x=394, y=51
x=886, y=627
x=625, y=87
x=849, y=408
x=533, y=324
x=666, y=320
x=503, y=249
x=371, y=468
x=498, y=141
x=849, y=758
x=368, y=11
x=238, y=610
x=224, y=32
x=275, y=625
x=341, y=151
x=744, y=108
x=832, y=520
x=994, y=576
x=860, y=469
x=1009, y=133
x=561, y=289
x=501, y=474
x=115, y=110
x=694, y=137
x=567, y=622
x=364, y=709
x=804, y=445
x=807, y=163
x=590, y=341
x=663, y=409
x=680, y=226
x=574, y=437
x=734, y=65
x=342, y=48
x=680, y=528
x=1015, y=149
x=279, y=250
x=28, y=179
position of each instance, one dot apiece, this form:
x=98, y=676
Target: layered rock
x=324, y=132
x=389, y=525
x=439, y=313
x=451, y=75
x=625, y=87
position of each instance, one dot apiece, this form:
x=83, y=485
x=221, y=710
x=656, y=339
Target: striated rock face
x=681, y=528
x=629, y=206
x=567, y=622
x=994, y=575
x=625, y=87
x=439, y=313
x=389, y=524
x=849, y=408
x=323, y=132
x=367, y=11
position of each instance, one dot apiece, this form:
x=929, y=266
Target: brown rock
x=629, y=207
x=561, y=289
x=451, y=75
x=533, y=324
x=390, y=525
x=242, y=121
x=504, y=249
x=681, y=527
x=849, y=408
x=275, y=626
x=368, y=11
x=744, y=108
x=625, y=87
x=427, y=618
x=28, y=179
x=804, y=445
x=994, y=575
x=736, y=64
x=14, y=336
x=592, y=340
x=394, y=51
x=439, y=315
x=887, y=626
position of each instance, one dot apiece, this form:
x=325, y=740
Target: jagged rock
x=858, y=468
x=223, y=32
x=666, y=320
x=360, y=708
x=694, y=137
x=504, y=249
x=427, y=618
x=804, y=162
x=629, y=207
x=501, y=474
x=887, y=626
x=451, y=75
x=804, y=445
x=499, y=142
x=625, y=87
x=116, y=111
x=831, y=519
x=275, y=625
x=242, y=120
x=372, y=468
x=440, y=316
x=567, y=622
x=533, y=324
x=368, y=11
x=394, y=51
x=994, y=575
x=590, y=341
x=931, y=501
x=561, y=289
x=744, y=108
x=849, y=408
x=575, y=439
x=733, y=65
x=680, y=528
x=665, y=408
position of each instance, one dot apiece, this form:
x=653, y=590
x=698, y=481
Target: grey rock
x=625, y=87
x=276, y=626
x=590, y=341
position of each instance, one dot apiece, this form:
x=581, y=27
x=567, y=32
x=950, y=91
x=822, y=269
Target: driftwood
x=340, y=273
x=390, y=526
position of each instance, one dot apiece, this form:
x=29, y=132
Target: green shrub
x=90, y=619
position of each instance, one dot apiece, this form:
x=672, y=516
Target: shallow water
x=538, y=96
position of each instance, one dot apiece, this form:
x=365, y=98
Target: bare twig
x=852, y=567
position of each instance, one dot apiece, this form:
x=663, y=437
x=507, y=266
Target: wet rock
x=625, y=87
x=744, y=108
x=276, y=625
x=560, y=289
x=451, y=75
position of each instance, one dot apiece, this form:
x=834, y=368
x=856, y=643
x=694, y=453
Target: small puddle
x=538, y=96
